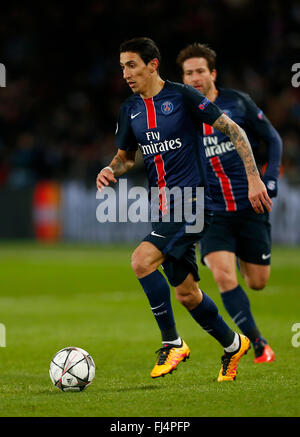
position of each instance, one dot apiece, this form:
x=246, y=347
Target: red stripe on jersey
x=207, y=129
x=225, y=183
x=160, y=168
x=151, y=115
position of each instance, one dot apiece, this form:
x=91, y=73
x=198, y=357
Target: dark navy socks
x=158, y=294
x=208, y=317
x=205, y=314
x=237, y=304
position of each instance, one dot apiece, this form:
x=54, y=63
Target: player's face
x=197, y=74
x=136, y=73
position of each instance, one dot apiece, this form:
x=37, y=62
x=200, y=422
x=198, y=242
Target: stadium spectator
x=61, y=70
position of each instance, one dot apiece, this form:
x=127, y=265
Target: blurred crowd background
x=64, y=85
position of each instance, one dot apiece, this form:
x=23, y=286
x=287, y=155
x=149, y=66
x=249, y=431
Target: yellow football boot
x=169, y=357
x=230, y=360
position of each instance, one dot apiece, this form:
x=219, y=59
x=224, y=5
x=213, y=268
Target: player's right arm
x=126, y=142
x=123, y=161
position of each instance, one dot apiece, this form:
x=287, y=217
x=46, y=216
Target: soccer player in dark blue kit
x=235, y=231
x=161, y=119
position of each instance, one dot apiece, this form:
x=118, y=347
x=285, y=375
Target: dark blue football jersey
x=165, y=128
x=226, y=173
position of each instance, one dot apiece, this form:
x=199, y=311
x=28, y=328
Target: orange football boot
x=230, y=360
x=169, y=356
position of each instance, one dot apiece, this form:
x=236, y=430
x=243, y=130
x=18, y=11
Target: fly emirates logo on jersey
x=213, y=147
x=156, y=146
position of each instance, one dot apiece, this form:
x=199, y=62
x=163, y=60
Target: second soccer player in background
x=236, y=230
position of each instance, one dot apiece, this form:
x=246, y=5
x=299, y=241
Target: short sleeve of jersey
x=124, y=137
x=202, y=109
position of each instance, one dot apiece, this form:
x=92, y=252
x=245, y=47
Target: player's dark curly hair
x=197, y=50
x=144, y=47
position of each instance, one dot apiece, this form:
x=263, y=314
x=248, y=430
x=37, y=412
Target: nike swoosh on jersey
x=157, y=235
x=132, y=116
x=266, y=256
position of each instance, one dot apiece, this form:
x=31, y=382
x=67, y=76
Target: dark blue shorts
x=244, y=233
x=179, y=248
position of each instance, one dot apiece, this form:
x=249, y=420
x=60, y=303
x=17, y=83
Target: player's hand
x=271, y=185
x=258, y=195
x=104, y=178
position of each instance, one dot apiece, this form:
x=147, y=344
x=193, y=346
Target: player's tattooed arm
x=257, y=192
x=120, y=164
x=240, y=140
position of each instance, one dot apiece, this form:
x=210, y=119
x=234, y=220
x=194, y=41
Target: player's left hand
x=258, y=195
x=104, y=178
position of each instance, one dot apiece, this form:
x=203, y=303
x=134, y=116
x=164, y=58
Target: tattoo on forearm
x=240, y=140
x=119, y=166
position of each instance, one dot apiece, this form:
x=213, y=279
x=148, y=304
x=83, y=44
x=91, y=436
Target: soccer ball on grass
x=72, y=369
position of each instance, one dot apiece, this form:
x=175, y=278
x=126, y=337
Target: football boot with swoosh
x=169, y=356
x=230, y=360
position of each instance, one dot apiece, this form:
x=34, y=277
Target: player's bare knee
x=139, y=264
x=257, y=283
x=224, y=279
x=184, y=299
x=189, y=298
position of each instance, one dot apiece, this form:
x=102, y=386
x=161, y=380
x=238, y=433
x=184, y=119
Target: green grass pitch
x=53, y=296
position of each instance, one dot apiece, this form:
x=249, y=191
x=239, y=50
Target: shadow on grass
x=134, y=388
x=57, y=392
